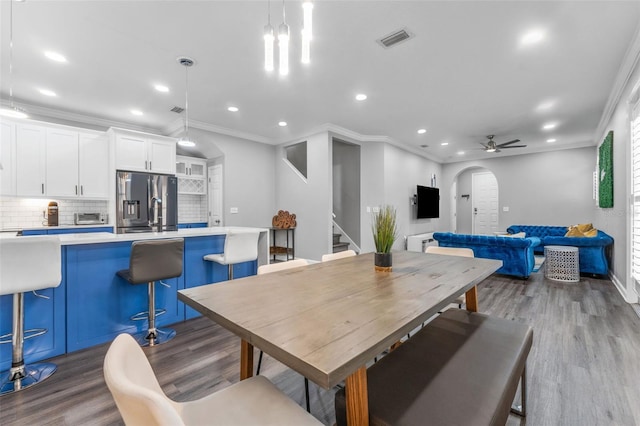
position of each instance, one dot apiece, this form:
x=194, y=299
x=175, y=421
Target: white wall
x=616, y=220
x=311, y=200
x=550, y=188
x=248, y=177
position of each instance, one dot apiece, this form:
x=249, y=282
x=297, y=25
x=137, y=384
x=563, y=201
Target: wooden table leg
x=357, y=399
x=471, y=299
x=246, y=359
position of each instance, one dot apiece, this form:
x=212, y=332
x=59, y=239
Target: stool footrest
x=143, y=316
x=28, y=334
x=33, y=374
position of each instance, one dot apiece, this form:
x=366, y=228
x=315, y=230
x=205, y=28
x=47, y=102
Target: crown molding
x=175, y=126
x=629, y=63
x=101, y=123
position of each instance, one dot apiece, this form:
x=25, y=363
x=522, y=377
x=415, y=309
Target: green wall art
x=605, y=172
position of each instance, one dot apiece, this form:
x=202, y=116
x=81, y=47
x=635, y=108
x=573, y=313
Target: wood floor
x=584, y=367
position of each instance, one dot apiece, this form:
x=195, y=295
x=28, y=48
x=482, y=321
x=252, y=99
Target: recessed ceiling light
x=460, y=152
x=282, y=123
x=233, y=109
x=47, y=92
x=549, y=126
x=361, y=97
x=551, y=140
x=54, y=56
x=444, y=143
x=161, y=88
x=532, y=37
x=136, y=112
x=545, y=106
x=422, y=131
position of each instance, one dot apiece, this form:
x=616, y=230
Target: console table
x=288, y=250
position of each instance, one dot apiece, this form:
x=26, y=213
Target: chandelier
x=283, y=39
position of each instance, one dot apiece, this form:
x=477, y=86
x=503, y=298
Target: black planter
x=383, y=262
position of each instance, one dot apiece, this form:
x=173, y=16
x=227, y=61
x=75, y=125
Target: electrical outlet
x=368, y=209
x=376, y=209
x=233, y=210
x=505, y=208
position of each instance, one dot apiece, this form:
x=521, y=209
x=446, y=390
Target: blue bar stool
x=151, y=261
x=26, y=264
x=238, y=247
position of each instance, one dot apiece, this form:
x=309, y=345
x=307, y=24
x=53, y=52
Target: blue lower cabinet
x=192, y=225
x=199, y=271
x=39, y=313
x=100, y=303
x=57, y=231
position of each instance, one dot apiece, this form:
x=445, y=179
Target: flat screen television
x=428, y=200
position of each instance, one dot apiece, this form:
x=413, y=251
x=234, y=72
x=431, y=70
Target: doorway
x=214, y=193
x=485, y=203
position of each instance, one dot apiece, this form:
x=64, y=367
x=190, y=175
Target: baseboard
x=629, y=298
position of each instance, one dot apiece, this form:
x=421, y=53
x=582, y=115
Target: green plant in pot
x=385, y=232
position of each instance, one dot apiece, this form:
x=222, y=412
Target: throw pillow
x=584, y=227
x=574, y=232
x=593, y=232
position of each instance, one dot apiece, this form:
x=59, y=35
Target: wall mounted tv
x=428, y=201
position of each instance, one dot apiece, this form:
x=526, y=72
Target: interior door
x=485, y=203
x=215, y=195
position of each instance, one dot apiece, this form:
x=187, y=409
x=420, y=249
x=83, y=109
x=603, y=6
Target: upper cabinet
x=7, y=158
x=136, y=151
x=40, y=159
x=192, y=174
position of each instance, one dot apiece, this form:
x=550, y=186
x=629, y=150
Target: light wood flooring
x=584, y=367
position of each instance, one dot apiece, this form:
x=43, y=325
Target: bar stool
x=26, y=264
x=238, y=247
x=151, y=261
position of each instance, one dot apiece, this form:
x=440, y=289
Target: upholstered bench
x=462, y=368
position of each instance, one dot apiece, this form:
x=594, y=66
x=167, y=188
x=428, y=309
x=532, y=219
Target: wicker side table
x=562, y=263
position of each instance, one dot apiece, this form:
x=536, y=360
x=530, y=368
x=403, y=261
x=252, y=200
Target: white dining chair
x=275, y=267
x=141, y=401
x=338, y=255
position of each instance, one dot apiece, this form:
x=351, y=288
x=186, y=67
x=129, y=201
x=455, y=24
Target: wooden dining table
x=327, y=320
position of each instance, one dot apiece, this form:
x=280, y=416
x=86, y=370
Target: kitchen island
x=92, y=305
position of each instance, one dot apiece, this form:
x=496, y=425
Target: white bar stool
x=152, y=261
x=238, y=247
x=26, y=264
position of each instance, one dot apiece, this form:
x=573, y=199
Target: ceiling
x=464, y=74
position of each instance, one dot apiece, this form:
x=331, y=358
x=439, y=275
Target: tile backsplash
x=23, y=213
x=192, y=208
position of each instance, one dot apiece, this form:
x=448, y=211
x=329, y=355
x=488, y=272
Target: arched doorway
x=475, y=202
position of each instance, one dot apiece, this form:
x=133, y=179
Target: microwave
x=89, y=218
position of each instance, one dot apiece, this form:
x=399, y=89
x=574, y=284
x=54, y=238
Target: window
x=635, y=192
x=297, y=156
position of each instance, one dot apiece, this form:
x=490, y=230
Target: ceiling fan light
x=491, y=150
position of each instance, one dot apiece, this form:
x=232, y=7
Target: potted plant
x=385, y=233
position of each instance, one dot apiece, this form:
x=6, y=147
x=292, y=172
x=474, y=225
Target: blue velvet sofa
x=516, y=253
x=593, y=259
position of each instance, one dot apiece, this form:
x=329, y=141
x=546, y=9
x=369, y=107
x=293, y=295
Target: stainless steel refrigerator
x=146, y=202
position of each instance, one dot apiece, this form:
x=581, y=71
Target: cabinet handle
x=81, y=189
x=145, y=165
x=76, y=189
x=43, y=188
x=150, y=168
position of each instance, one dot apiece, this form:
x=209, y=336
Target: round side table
x=562, y=263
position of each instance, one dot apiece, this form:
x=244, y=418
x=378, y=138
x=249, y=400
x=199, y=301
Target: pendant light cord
x=11, y=54
x=268, y=12
x=284, y=18
x=186, y=102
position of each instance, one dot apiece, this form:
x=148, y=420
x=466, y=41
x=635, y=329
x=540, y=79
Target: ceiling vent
x=395, y=38
x=177, y=109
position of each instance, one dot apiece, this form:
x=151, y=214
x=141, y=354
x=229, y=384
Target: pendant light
x=12, y=111
x=268, y=41
x=283, y=44
x=307, y=31
x=184, y=140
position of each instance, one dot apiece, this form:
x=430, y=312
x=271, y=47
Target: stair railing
x=355, y=247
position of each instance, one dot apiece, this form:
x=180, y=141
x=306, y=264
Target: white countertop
x=107, y=237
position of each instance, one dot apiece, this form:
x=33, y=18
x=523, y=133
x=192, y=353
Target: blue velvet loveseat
x=593, y=259
x=516, y=253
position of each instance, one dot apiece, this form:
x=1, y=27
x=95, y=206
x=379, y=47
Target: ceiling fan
x=491, y=146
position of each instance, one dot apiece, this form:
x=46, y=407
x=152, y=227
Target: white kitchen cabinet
x=136, y=151
x=30, y=160
x=191, y=173
x=61, y=164
x=7, y=158
x=93, y=173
